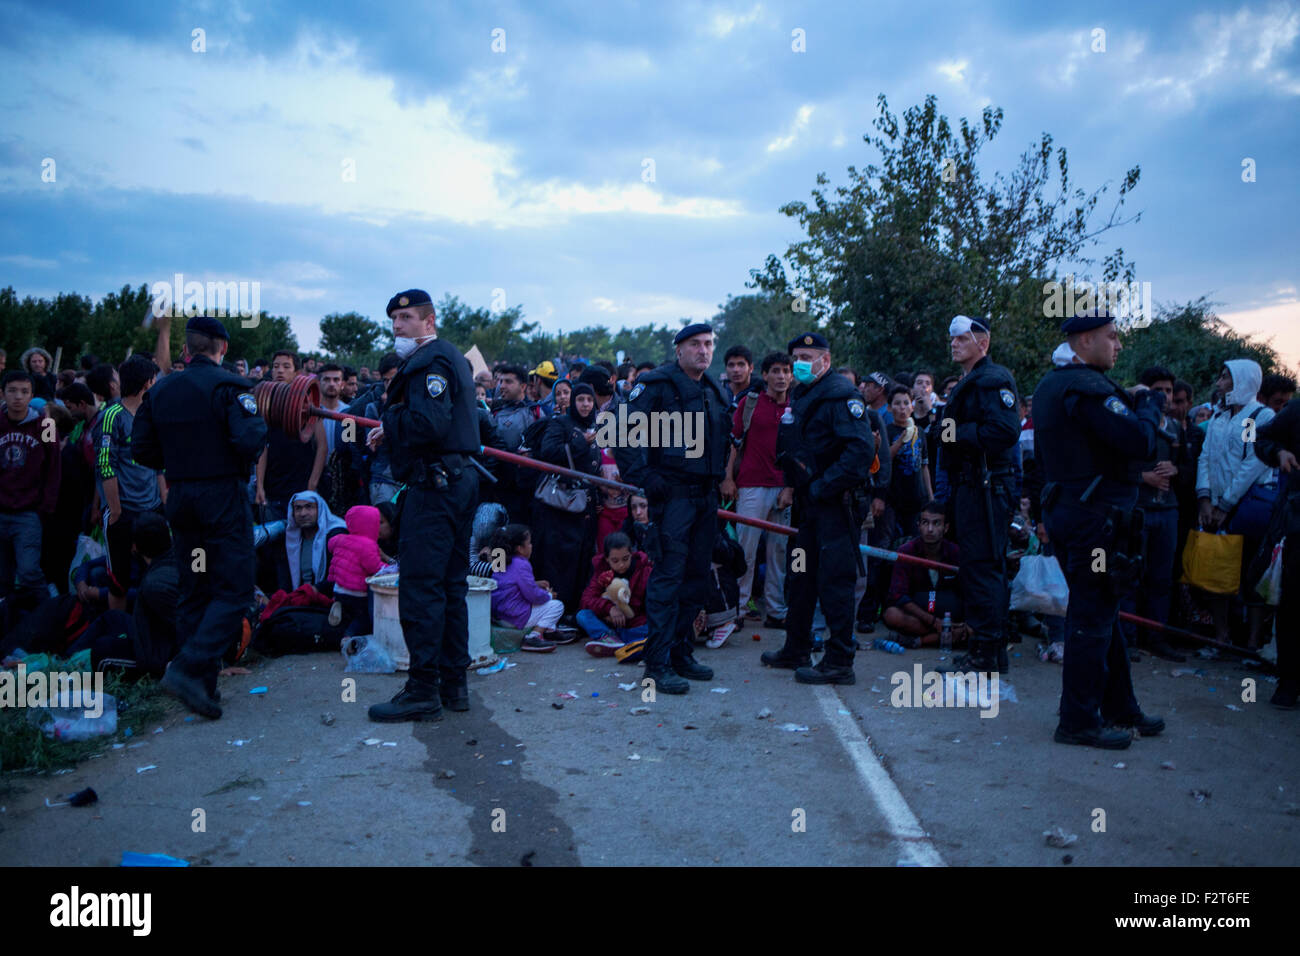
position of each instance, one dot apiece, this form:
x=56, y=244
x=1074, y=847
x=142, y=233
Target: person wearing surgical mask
x=825, y=450
x=979, y=443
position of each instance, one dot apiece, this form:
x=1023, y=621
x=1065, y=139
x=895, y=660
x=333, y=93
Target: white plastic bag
x=88, y=549
x=365, y=655
x=1040, y=587
x=1270, y=585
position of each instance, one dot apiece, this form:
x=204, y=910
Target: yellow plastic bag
x=1212, y=562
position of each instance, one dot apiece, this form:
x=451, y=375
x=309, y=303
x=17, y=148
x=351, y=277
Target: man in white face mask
x=979, y=445
x=431, y=426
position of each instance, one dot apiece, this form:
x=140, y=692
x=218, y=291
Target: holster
x=1124, y=541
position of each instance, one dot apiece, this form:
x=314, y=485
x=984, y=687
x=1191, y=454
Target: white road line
x=914, y=843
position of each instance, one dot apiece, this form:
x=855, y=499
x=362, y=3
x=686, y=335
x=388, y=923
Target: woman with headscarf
x=564, y=540
x=562, y=393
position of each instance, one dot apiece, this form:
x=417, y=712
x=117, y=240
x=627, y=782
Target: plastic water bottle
x=945, y=636
x=889, y=647
x=71, y=723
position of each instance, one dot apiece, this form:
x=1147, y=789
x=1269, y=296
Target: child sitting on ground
x=609, y=625
x=354, y=557
x=520, y=600
x=920, y=596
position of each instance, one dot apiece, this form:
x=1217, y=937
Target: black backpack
x=298, y=630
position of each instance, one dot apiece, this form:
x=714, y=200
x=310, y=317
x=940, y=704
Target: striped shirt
x=137, y=486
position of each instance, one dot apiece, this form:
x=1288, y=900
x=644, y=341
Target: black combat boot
x=1103, y=737
x=687, y=666
x=407, y=706
x=780, y=659
x=666, y=680
x=1145, y=724
x=983, y=656
x=191, y=691
x=826, y=673
x=454, y=692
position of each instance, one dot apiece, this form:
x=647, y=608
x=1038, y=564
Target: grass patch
x=23, y=747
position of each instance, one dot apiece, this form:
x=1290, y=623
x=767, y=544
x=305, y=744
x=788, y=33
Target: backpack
x=298, y=630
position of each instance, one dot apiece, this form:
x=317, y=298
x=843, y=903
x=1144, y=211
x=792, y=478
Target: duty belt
x=437, y=472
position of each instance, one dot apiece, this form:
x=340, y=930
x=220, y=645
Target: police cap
x=209, y=326
x=808, y=340
x=411, y=297
x=692, y=330
x=1086, y=323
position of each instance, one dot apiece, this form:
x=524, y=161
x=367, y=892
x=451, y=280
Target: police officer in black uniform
x=979, y=436
x=1091, y=436
x=431, y=425
x=200, y=427
x=825, y=448
x=682, y=490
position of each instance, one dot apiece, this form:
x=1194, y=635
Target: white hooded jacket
x=1228, y=466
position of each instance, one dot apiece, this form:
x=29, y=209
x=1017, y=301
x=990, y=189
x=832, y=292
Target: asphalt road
x=698, y=780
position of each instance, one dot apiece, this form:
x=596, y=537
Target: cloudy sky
x=339, y=152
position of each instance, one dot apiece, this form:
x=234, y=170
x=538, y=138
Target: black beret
x=697, y=328
x=404, y=300
x=808, y=340
x=1086, y=323
x=209, y=326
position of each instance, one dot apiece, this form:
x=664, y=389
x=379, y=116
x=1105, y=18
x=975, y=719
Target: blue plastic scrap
x=130, y=858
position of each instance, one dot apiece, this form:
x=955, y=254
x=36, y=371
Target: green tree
x=764, y=323
x=498, y=335
x=260, y=338
x=115, y=327
x=347, y=335
x=890, y=257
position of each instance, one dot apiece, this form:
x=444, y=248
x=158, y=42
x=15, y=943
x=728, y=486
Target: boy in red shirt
x=758, y=485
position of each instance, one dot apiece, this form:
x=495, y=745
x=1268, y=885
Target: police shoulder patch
x=1115, y=405
x=436, y=385
x=248, y=401
x=856, y=407
x=1008, y=397
x=635, y=393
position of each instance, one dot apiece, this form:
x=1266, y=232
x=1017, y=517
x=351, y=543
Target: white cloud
x=29, y=262
x=654, y=307
x=310, y=128
x=1245, y=48
x=954, y=71
x=798, y=126
x=724, y=22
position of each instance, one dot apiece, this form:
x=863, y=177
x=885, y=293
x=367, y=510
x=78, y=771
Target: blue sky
x=522, y=169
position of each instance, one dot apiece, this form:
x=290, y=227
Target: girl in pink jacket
x=353, y=558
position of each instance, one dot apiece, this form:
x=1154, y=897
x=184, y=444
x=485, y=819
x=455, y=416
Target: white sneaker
x=720, y=635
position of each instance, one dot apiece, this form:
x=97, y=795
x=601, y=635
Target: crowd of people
x=87, y=560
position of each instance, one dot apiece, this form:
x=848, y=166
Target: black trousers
x=822, y=564
x=982, y=539
x=681, y=547
x=212, y=533
x=434, y=529
x=1096, y=685
x=563, y=543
